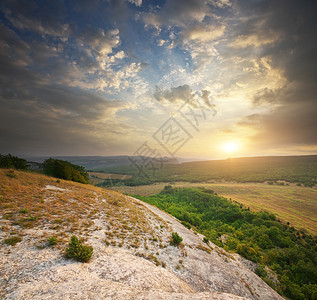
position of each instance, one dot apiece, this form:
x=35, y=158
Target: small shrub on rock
x=78, y=251
x=176, y=239
x=11, y=174
x=52, y=240
x=13, y=240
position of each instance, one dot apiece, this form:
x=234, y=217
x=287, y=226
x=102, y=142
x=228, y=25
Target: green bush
x=23, y=210
x=13, y=240
x=176, y=239
x=52, y=240
x=78, y=251
x=11, y=174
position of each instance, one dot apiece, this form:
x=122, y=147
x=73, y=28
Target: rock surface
x=133, y=260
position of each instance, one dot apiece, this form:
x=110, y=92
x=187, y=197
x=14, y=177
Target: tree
x=65, y=170
x=14, y=162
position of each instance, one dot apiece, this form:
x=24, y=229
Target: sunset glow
x=230, y=147
x=104, y=77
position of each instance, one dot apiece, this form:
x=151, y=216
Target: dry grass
x=62, y=209
x=297, y=205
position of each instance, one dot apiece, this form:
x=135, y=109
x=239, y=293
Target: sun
x=230, y=147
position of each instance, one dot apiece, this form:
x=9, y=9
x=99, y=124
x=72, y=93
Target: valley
x=291, y=203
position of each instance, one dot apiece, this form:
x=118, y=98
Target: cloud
x=284, y=35
x=178, y=12
x=176, y=94
x=193, y=25
x=182, y=94
x=49, y=27
x=286, y=126
x=12, y=45
x=98, y=40
x=136, y=2
x=266, y=96
x=82, y=66
x=194, y=19
x=39, y=132
x=204, y=33
x=221, y=3
x=119, y=79
x=39, y=119
x=87, y=57
x=255, y=39
x=50, y=75
x=205, y=95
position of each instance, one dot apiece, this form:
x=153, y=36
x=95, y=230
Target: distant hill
x=133, y=257
x=295, y=169
x=302, y=169
x=98, y=163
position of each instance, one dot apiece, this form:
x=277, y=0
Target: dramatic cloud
x=293, y=115
x=81, y=74
x=176, y=94
x=183, y=94
x=255, y=40
x=178, y=12
x=204, y=33
x=136, y=2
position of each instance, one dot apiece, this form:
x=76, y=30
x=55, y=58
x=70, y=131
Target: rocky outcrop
x=133, y=257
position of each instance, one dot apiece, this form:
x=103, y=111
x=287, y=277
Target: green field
x=291, y=203
x=297, y=205
x=96, y=177
x=295, y=169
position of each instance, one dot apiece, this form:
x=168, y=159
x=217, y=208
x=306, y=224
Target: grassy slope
x=35, y=207
x=28, y=201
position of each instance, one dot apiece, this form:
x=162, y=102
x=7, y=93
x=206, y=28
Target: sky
x=206, y=79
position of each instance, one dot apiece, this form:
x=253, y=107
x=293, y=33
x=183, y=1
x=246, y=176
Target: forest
x=286, y=258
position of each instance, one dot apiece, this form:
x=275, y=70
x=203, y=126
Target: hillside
x=132, y=259
x=301, y=169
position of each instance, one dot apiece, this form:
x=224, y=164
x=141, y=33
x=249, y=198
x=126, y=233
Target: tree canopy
x=258, y=236
x=14, y=162
x=65, y=170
